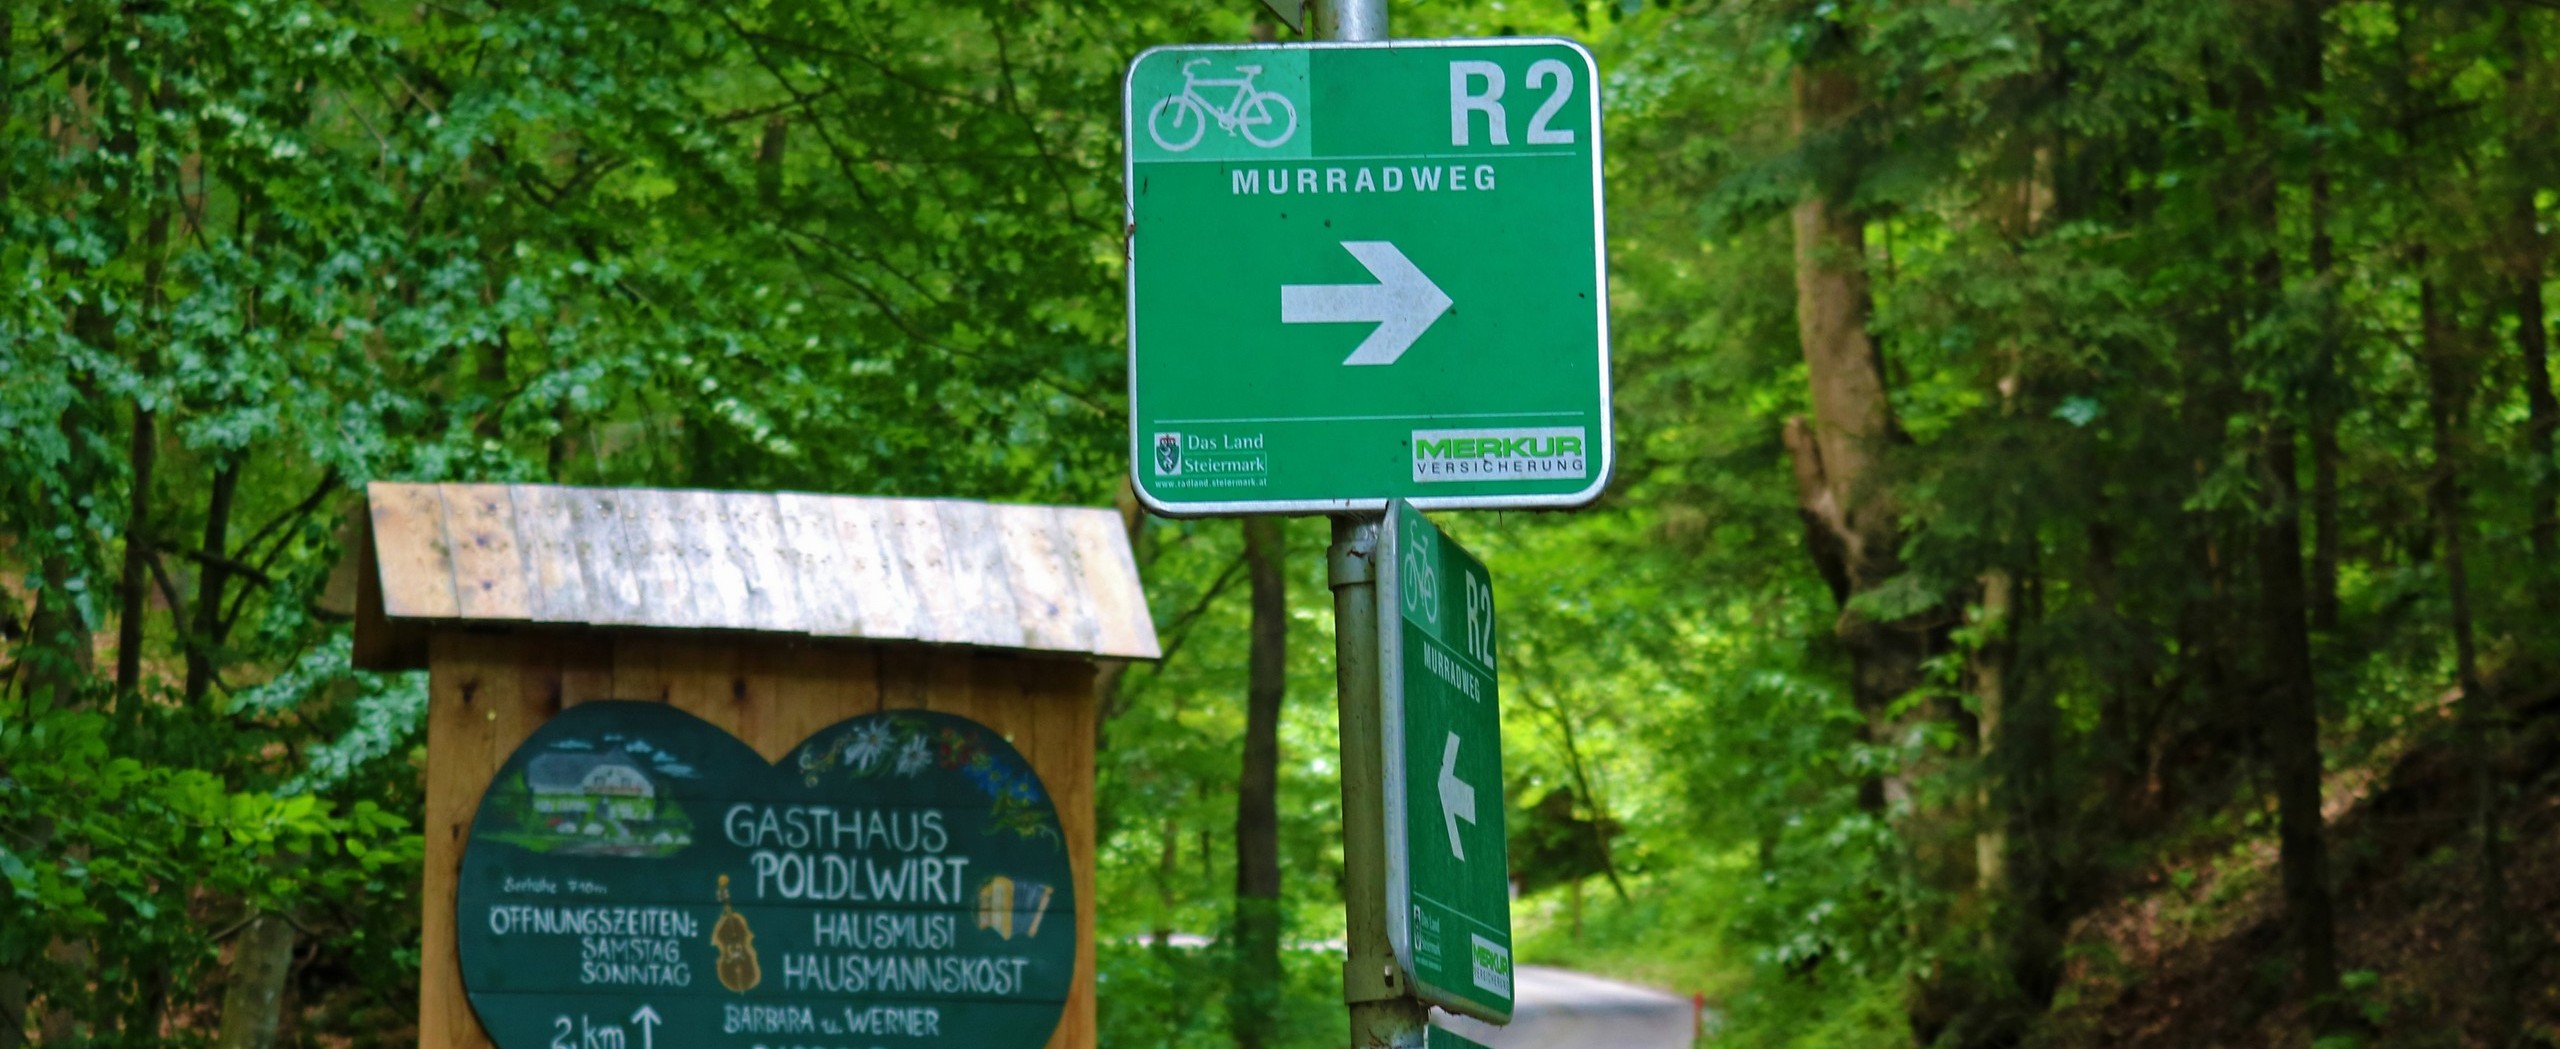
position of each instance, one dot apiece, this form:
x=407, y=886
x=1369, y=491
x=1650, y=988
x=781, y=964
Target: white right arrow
x=1403, y=304
x=1457, y=800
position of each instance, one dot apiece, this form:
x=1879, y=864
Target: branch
x=1581, y=778
x=834, y=149
x=67, y=55
x=381, y=144
x=590, y=174
x=903, y=276
x=233, y=929
x=881, y=302
x=301, y=511
x=1013, y=92
x=328, y=483
x=1180, y=628
x=454, y=11
x=888, y=72
x=169, y=593
x=796, y=101
x=242, y=568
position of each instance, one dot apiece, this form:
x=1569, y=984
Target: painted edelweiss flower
x=914, y=757
x=870, y=744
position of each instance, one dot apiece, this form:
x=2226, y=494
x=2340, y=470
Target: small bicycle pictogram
x=1251, y=111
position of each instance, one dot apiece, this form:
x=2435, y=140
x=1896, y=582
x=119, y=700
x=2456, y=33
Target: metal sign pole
x=1383, y=1011
x=1358, y=20
x=1383, y=1014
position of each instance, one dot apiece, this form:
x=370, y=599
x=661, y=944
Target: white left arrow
x=1403, y=304
x=647, y=1018
x=1457, y=799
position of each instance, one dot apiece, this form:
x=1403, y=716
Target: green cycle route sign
x=1448, y=875
x=1366, y=271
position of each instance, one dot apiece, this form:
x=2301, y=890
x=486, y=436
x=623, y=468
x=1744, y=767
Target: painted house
x=595, y=786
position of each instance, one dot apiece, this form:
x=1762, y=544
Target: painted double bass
x=737, y=943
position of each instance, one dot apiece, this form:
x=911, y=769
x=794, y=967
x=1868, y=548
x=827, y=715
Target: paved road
x=1563, y=1009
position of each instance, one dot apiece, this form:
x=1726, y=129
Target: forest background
x=2064, y=446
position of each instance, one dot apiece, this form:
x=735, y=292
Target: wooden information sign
x=637, y=876
x=874, y=718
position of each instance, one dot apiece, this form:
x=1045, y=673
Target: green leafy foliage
x=255, y=255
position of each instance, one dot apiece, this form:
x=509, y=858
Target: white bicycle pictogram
x=1251, y=111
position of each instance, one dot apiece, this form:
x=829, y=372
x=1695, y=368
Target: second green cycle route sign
x=1448, y=876
x=1360, y=272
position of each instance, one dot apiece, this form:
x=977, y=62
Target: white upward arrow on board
x=1457, y=799
x=648, y=1020
x=1403, y=304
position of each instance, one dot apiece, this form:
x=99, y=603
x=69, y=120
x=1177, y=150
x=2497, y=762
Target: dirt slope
x=2195, y=959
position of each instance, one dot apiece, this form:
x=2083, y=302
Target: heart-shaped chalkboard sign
x=637, y=877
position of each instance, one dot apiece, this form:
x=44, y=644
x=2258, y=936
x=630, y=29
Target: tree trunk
x=1573, y=906
x=1845, y=496
x=1990, y=672
x=1254, y=1016
x=1111, y=673
x=2293, y=732
x=60, y=665
x=1852, y=424
x=2024, y=877
x=769, y=153
x=1839, y=453
x=2533, y=334
x=1168, y=866
x=1168, y=856
x=57, y=658
x=491, y=370
x=2542, y=415
x=206, y=635
x=13, y=1010
x=2122, y=749
x=2445, y=411
x=2323, y=394
x=2291, y=720
x=253, y=1002
x=8, y=75
x=133, y=589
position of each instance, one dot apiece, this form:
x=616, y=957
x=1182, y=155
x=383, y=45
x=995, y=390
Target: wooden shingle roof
x=938, y=571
